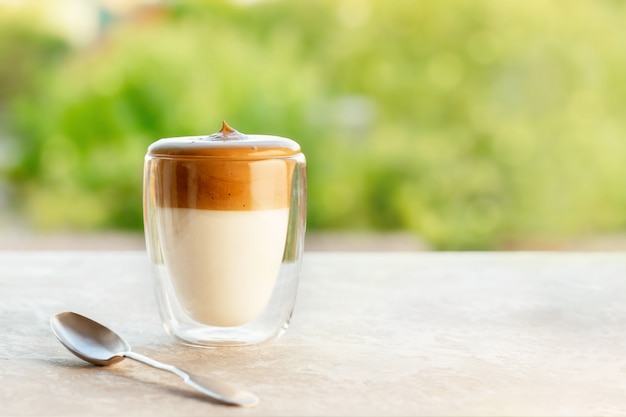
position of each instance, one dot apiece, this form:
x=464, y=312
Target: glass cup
x=224, y=219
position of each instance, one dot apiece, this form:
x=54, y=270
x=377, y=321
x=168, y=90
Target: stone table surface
x=372, y=334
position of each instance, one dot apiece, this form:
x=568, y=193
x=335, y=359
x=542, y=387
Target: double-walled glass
x=224, y=219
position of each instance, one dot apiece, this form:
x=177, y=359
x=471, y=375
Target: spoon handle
x=215, y=389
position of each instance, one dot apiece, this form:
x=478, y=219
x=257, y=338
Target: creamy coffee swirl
x=224, y=171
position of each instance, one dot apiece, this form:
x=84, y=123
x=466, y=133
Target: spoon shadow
x=125, y=373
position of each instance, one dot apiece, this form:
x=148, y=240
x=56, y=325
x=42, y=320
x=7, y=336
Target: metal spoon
x=100, y=345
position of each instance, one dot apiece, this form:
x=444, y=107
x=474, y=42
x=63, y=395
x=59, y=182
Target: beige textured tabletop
x=372, y=334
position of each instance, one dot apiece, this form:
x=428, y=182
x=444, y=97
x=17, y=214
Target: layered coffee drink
x=219, y=217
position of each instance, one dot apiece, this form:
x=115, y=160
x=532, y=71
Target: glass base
x=268, y=326
x=208, y=338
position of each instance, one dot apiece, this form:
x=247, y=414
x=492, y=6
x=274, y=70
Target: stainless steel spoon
x=100, y=345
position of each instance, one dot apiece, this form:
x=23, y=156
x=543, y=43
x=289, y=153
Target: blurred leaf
x=467, y=122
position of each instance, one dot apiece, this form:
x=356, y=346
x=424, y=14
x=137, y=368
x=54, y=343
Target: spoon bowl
x=88, y=339
x=99, y=345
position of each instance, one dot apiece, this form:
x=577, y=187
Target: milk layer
x=223, y=264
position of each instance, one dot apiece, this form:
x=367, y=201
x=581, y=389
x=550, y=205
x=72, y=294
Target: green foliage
x=467, y=122
x=24, y=51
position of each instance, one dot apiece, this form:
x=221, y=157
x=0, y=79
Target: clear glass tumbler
x=224, y=219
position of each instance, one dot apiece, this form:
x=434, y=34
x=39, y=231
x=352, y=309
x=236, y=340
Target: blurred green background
x=472, y=124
